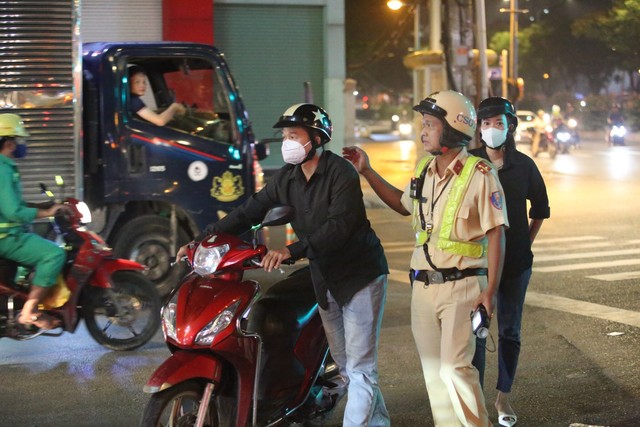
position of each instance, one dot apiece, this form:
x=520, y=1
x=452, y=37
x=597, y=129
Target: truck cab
x=153, y=188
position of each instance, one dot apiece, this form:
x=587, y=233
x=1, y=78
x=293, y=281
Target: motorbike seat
x=8, y=270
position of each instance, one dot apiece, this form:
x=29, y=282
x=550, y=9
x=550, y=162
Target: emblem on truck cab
x=227, y=188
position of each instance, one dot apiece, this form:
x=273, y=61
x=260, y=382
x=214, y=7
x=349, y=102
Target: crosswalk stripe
x=565, y=239
x=580, y=255
x=583, y=308
x=572, y=247
x=554, y=302
x=586, y=265
x=625, y=275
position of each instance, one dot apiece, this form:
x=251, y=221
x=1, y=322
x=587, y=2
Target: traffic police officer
x=459, y=217
x=15, y=243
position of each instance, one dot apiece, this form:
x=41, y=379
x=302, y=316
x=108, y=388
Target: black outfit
x=136, y=104
x=331, y=224
x=521, y=181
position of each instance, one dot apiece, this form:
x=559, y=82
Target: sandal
x=40, y=320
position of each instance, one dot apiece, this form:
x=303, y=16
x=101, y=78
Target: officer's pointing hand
x=357, y=157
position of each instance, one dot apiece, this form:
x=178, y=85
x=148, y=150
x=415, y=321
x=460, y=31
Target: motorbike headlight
x=222, y=320
x=573, y=123
x=85, y=212
x=564, y=136
x=405, y=129
x=206, y=260
x=169, y=318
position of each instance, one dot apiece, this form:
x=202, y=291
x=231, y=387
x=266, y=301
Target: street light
x=397, y=5
x=513, y=40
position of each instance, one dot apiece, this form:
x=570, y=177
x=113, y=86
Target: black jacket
x=331, y=224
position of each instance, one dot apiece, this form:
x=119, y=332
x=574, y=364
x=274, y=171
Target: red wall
x=187, y=20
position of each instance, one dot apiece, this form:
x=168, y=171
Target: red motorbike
x=120, y=306
x=241, y=357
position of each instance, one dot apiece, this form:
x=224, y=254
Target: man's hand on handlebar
x=274, y=258
x=182, y=252
x=49, y=212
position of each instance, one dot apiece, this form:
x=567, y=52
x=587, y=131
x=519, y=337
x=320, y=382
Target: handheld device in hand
x=480, y=322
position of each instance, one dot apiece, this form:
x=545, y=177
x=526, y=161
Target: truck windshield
x=196, y=85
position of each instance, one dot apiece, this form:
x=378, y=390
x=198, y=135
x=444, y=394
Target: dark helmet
x=496, y=105
x=456, y=113
x=309, y=116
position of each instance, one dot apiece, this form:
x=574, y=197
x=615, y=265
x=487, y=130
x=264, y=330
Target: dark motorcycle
x=240, y=357
x=566, y=135
x=120, y=306
x=546, y=142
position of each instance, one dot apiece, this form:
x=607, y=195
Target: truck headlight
x=207, y=259
x=221, y=321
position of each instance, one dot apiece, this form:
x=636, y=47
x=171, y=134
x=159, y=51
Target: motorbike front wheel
x=178, y=406
x=125, y=316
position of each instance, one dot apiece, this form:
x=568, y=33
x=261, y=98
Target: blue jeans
x=511, y=295
x=353, y=331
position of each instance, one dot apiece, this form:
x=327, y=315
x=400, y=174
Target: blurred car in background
x=526, y=127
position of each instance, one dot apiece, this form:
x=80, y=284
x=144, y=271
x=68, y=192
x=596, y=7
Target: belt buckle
x=434, y=277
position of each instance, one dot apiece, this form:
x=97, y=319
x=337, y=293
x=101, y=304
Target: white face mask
x=493, y=137
x=293, y=152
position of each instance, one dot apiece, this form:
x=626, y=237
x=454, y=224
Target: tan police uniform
x=440, y=313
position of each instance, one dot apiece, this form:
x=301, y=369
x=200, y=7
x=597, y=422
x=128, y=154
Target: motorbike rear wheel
x=178, y=406
x=125, y=316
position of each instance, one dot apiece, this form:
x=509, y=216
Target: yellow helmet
x=12, y=125
x=455, y=111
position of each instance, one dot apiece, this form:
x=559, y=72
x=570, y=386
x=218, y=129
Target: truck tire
x=146, y=240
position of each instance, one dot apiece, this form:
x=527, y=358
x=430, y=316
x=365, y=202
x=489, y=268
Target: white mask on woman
x=493, y=137
x=293, y=152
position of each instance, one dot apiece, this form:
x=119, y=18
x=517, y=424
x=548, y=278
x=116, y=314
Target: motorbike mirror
x=278, y=215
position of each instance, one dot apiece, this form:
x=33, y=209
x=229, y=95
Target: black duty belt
x=445, y=275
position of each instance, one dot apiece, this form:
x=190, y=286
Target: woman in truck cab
x=138, y=86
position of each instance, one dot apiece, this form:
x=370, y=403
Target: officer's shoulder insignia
x=458, y=167
x=483, y=167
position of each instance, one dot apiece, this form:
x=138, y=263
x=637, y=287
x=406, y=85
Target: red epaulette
x=483, y=167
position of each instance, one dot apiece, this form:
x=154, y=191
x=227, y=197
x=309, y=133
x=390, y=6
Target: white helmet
x=457, y=114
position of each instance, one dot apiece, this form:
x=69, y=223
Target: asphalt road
x=579, y=364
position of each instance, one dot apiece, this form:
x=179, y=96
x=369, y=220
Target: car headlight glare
x=222, y=320
x=206, y=260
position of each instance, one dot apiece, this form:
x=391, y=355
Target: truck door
x=170, y=181
x=200, y=159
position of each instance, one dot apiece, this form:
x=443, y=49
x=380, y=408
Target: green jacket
x=14, y=213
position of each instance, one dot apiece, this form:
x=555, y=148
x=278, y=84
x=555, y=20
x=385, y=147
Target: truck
x=150, y=188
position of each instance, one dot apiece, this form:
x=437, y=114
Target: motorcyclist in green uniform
x=16, y=243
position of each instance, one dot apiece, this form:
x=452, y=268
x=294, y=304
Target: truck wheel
x=145, y=239
x=178, y=406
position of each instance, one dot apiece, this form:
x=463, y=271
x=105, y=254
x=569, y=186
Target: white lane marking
x=626, y=275
x=580, y=255
x=586, y=265
x=568, y=305
x=565, y=248
x=565, y=239
x=554, y=302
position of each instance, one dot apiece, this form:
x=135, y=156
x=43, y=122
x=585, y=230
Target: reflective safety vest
x=454, y=201
x=7, y=226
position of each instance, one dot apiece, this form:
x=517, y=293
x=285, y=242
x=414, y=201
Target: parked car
x=526, y=127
